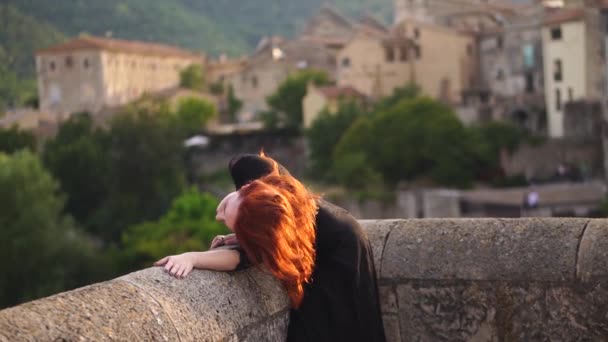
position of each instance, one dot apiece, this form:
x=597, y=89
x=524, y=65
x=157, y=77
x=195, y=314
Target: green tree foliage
x=146, y=170
x=42, y=251
x=415, y=138
x=407, y=92
x=192, y=77
x=286, y=103
x=78, y=157
x=121, y=176
x=234, y=104
x=189, y=225
x=325, y=133
x=20, y=37
x=193, y=114
x=13, y=139
x=149, y=20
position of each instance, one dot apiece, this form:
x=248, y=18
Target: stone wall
x=440, y=280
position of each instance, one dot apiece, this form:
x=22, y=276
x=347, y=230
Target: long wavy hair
x=275, y=225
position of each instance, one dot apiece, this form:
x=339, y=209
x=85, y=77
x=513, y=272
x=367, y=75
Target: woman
x=340, y=302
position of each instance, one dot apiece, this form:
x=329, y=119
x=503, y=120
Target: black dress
x=341, y=303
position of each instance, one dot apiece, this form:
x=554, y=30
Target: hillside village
x=488, y=60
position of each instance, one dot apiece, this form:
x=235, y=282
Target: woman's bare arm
x=181, y=265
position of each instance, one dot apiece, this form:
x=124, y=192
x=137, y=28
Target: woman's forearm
x=216, y=260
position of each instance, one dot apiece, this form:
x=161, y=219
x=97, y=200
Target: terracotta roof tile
x=118, y=45
x=564, y=15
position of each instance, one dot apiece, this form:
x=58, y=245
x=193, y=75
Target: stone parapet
x=440, y=280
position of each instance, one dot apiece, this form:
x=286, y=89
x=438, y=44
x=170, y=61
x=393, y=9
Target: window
x=499, y=42
x=558, y=100
x=403, y=53
x=52, y=66
x=416, y=33
x=500, y=75
x=529, y=82
x=556, y=33
x=85, y=63
x=69, y=62
x=570, y=95
x=390, y=53
x=254, y=81
x=346, y=62
x=469, y=50
x=557, y=72
x=418, y=51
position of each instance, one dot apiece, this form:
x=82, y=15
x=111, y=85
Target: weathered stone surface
x=388, y=299
x=539, y=312
x=108, y=311
x=593, y=252
x=483, y=249
x=458, y=312
x=377, y=232
x=237, y=307
x=391, y=327
x=274, y=329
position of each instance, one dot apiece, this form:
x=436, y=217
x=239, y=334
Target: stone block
x=388, y=300
x=109, y=311
x=377, y=231
x=483, y=249
x=391, y=328
x=456, y=312
x=593, y=252
x=237, y=307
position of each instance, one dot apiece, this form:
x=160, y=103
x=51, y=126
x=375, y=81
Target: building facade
x=90, y=73
x=573, y=63
x=328, y=98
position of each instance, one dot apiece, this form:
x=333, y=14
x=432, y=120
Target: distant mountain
x=20, y=36
x=233, y=27
x=215, y=26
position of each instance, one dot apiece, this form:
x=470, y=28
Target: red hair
x=275, y=226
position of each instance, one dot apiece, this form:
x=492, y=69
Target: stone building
x=273, y=61
x=573, y=63
x=511, y=69
x=439, y=59
x=436, y=10
x=327, y=98
x=91, y=73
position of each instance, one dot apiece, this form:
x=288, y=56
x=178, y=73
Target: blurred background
x=118, y=118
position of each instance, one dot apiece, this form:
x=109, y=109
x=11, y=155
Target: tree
x=415, y=138
x=234, y=104
x=193, y=77
x=193, y=114
x=189, y=225
x=407, y=92
x=146, y=170
x=325, y=133
x=14, y=139
x=78, y=157
x=286, y=103
x=42, y=251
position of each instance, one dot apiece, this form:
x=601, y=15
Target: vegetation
x=324, y=135
x=44, y=253
x=193, y=114
x=13, y=139
x=286, y=103
x=193, y=77
x=189, y=225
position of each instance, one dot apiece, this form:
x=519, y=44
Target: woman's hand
x=178, y=266
x=223, y=240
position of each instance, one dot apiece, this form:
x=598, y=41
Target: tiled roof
x=118, y=45
x=564, y=15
